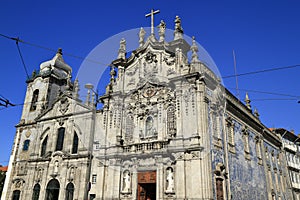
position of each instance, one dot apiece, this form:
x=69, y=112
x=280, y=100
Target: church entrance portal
x=147, y=185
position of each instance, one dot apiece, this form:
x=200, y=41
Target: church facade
x=168, y=129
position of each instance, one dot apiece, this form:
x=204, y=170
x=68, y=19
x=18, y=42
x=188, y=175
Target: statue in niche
x=126, y=181
x=170, y=180
x=39, y=175
x=72, y=173
x=56, y=165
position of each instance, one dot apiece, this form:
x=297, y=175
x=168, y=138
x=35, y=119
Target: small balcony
x=296, y=185
x=293, y=165
x=144, y=147
x=291, y=147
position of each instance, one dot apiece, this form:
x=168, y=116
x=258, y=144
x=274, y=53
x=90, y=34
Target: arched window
x=52, y=190
x=26, y=145
x=75, y=143
x=34, y=100
x=149, y=126
x=36, y=192
x=16, y=195
x=60, y=139
x=44, y=146
x=171, y=121
x=70, y=191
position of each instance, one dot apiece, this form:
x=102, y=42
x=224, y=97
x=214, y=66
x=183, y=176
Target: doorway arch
x=52, y=190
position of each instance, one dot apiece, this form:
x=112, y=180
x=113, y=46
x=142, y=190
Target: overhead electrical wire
x=262, y=71
x=53, y=50
x=105, y=64
x=82, y=58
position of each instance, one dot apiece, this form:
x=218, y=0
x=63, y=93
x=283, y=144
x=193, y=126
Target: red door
x=147, y=185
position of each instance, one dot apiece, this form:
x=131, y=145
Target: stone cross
x=152, y=13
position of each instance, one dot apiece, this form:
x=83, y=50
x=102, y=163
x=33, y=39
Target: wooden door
x=147, y=185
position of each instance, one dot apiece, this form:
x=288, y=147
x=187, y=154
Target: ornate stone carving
x=126, y=182
x=149, y=92
x=162, y=30
x=132, y=71
x=142, y=36
x=64, y=105
x=170, y=180
x=169, y=60
x=150, y=57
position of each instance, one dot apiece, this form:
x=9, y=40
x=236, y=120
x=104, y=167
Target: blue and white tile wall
x=247, y=177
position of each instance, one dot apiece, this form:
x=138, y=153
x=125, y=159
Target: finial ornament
x=256, y=114
x=194, y=49
x=248, y=101
x=142, y=36
x=178, y=29
x=76, y=89
x=122, y=49
x=152, y=13
x=88, y=98
x=59, y=51
x=162, y=30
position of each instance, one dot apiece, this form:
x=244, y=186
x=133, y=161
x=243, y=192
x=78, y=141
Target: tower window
x=75, y=143
x=60, y=139
x=44, y=146
x=34, y=100
x=16, y=195
x=26, y=145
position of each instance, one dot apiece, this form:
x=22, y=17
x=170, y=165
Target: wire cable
x=53, y=50
x=23, y=62
x=262, y=71
x=105, y=64
x=266, y=92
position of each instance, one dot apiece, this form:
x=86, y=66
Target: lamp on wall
x=90, y=86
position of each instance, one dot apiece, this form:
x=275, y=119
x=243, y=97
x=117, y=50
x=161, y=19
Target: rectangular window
x=26, y=145
x=75, y=143
x=60, y=139
x=94, y=178
x=92, y=196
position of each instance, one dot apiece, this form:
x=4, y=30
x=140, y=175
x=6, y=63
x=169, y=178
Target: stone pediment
x=64, y=105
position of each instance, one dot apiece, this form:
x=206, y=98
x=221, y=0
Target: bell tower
x=53, y=78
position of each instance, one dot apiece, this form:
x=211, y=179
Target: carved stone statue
x=56, y=165
x=40, y=174
x=178, y=29
x=142, y=36
x=170, y=181
x=72, y=173
x=122, y=49
x=162, y=30
x=126, y=181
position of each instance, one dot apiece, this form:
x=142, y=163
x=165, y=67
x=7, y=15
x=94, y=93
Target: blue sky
x=263, y=34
